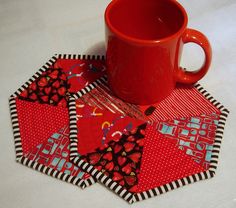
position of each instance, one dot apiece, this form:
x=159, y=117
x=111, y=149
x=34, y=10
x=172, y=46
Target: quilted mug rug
x=69, y=125
x=40, y=118
x=143, y=151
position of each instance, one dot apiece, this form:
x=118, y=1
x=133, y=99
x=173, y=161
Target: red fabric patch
x=162, y=162
x=54, y=153
x=194, y=135
x=120, y=160
x=102, y=96
x=38, y=122
x=50, y=88
x=97, y=127
x=184, y=101
x=80, y=73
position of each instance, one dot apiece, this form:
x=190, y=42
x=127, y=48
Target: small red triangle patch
x=162, y=162
x=38, y=122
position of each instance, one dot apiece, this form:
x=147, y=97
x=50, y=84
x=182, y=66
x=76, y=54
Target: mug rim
x=143, y=41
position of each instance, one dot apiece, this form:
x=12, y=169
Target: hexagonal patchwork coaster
x=136, y=151
x=144, y=151
x=40, y=119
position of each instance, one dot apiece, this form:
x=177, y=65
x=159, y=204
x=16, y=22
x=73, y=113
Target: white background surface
x=32, y=31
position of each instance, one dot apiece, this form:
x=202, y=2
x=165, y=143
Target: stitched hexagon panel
x=143, y=151
x=40, y=118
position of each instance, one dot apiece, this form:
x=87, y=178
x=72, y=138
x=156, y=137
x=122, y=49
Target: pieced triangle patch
x=50, y=88
x=193, y=135
x=96, y=127
x=162, y=162
x=120, y=159
x=54, y=153
x=81, y=72
x=38, y=122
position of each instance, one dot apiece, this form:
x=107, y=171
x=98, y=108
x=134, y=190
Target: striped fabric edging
x=79, y=56
x=52, y=172
x=131, y=197
x=73, y=136
x=16, y=128
x=172, y=185
x=73, y=128
x=220, y=128
x=107, y=181
x=90, y=87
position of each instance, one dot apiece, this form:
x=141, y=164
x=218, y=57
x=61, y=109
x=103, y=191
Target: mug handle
x=197, y=37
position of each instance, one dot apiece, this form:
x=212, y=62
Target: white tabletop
x=31, y=31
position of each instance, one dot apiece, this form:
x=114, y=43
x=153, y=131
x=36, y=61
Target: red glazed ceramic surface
x=144, y=46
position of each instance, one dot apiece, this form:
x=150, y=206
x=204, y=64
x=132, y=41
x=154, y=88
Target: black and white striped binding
x=78, y=56
x=73, y=135
x=73, y=128
x=130, y=197
x=172, y=185
x=16, y=129
x=90, y=87
x=52, y=172
x=220, y=128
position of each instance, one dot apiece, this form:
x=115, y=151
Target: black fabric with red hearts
x=120, y=160
x=50, y=88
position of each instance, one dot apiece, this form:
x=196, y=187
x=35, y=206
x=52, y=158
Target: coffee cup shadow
x=97, y=49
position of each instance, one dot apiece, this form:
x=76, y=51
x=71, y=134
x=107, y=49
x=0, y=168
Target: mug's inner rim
x=114, y=29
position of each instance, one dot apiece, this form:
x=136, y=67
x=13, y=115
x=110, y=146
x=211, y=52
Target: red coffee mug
x=144, y=41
